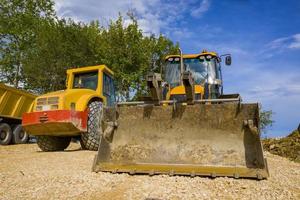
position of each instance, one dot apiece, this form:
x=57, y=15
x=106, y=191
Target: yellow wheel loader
x=74, y=112
x=187, y=126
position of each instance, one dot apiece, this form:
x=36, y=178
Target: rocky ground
x=27, y=173
x=288, y=146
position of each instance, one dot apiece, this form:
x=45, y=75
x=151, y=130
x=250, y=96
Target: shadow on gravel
x=66, y=150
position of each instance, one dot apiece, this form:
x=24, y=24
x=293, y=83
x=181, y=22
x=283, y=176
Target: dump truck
x=13, y=103
x=75, y=112
x=187, y=126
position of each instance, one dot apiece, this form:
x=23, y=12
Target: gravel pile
x=288, y=147
x=27, y=173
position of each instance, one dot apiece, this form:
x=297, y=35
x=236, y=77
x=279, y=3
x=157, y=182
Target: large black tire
x=5, y=134
x=19, y=135
x=90, y=139
x=52, y=143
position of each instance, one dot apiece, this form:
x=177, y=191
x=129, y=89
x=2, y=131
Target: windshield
x=203, y=70
x=172, y=72
x=86, y=80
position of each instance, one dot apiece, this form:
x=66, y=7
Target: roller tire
x=19, y=135
x=5, y=134
x=53, y=143
x=90, y=139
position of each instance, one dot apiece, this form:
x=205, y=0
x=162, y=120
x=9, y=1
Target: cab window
x=86, y=80
x=108, y=89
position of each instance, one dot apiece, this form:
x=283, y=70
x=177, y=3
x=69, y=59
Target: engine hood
x=79, y=99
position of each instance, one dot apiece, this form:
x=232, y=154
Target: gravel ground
x=27, y=173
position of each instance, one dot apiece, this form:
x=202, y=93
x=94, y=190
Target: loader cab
x=205, y=68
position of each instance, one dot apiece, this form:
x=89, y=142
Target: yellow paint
x=14, y=102
x=181, y=90
x=81, y=97
x=213, y=54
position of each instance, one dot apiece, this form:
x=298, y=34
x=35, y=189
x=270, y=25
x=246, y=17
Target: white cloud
x=277, y=43
x=180, y=33
x=281, y=45
x=262, y=81
x=270, y=86
x=295, y=44
x=154, y=16
x=204, y=6
x=289, y=42
x=91, y=9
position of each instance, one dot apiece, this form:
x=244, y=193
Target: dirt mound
x=287, y=147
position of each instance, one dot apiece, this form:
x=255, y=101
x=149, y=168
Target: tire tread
x=90, y=140
x=53, y=143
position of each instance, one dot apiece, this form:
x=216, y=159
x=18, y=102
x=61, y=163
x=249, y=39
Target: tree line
x=37, y=47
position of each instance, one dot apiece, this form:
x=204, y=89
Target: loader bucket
x=201, y=139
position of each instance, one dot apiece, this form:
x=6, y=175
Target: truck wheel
x=5, y=134
x=90, y=140
x=53, y=143
x=19, y=135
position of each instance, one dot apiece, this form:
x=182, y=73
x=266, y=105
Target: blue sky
x=262, y=36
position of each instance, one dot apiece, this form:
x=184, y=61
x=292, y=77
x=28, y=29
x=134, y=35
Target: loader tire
x=19, y=135
x=53, y=143
x=90, y=139
x=5, y=134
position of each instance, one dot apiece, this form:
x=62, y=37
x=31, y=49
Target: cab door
x=109, y=90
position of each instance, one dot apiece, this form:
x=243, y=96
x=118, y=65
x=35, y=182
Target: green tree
x=131, y=54
x=59, y=45
x=18, y=21
x=266, y=120
x=40, y=47
x=124, y=54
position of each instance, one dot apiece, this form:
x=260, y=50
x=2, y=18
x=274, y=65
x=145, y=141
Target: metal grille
x=50, y=103
x=52, y=100
x=47, y=101
x=41, y=101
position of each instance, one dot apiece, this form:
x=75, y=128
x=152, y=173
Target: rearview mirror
x=228, y=60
